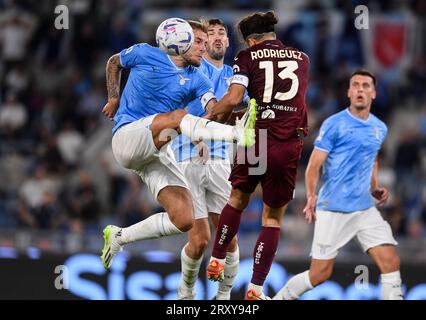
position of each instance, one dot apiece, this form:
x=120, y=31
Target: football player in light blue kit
x=347, y=148
x=150, y=111
x=208, y=181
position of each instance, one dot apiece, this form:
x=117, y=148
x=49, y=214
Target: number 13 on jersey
x=288, y=68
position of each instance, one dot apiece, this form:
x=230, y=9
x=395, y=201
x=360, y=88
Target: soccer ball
x=174, y=36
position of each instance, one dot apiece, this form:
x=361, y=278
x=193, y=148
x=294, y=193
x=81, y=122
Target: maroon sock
x=264, y=253
x=228, y=227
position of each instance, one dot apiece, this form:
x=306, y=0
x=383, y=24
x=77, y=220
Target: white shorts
x=209, y=186
x=134, y=149
x=333, y=230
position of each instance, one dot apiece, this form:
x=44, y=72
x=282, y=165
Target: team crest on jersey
x=268, y=114
x=183, y=80
x=228, y=80
x=377, y=133
x=320, y=136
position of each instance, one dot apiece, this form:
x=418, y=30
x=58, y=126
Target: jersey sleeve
x=241, y=69
x=204, y=90
x=326, y=137
x=195, y=108
x=133, y=56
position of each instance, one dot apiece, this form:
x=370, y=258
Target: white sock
x=190, y=270
x=295, y=287
x=202, y=129
x=391, y=286
x=232, y=261
x=221, y=261
x=256, y=288
x=153, y=227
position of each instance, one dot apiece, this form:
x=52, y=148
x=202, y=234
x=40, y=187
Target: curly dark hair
x=257, y=24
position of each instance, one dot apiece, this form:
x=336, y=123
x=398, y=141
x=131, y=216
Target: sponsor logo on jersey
x=377, y=133
x=268, y=114
x=228, y=80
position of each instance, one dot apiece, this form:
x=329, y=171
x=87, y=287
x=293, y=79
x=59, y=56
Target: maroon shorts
x=279, y=180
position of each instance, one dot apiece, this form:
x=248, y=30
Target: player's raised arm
x=221, y=110
x=113, y=78
x=312, y=173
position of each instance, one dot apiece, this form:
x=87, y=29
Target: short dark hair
x=364, y=72
x=258, y=23
x=197, y=25
x=216, y=22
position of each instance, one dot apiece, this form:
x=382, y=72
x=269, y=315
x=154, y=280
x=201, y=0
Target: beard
x=191, y=62
x=216, y=54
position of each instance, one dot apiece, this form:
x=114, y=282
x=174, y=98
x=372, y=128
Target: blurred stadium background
x=60, y=184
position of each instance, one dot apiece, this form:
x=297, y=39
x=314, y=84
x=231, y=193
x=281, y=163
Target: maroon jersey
x=276, y=76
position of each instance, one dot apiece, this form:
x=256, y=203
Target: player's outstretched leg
x=295, y=287
x=202, y=129
x=319, y=272
x=112, y=234
x=156, y=226
x=178, y=219
x=245, y=126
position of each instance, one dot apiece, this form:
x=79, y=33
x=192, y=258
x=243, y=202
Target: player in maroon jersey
x=276, y=77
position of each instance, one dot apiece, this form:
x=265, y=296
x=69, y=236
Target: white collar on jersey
x=174, y=64
x=209, y=63
x=356, y=118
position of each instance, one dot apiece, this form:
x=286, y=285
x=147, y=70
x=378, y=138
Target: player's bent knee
x=182, y=216
x=184, y=224
x=238, y=199
x=201, y=245
x=177, y=116
x=183, y=219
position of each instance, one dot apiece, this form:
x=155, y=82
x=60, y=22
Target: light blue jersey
x=157, y=85
x=352, y=145
x=221, y=79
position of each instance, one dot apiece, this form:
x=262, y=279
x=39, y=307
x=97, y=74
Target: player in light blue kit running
x=346, y=148
x=208, y=181
x=149, y=111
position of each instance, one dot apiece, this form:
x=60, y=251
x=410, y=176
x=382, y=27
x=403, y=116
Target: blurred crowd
x=56, y=166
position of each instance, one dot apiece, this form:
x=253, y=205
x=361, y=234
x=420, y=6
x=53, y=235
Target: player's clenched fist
x=381, y=194
x=110, y=108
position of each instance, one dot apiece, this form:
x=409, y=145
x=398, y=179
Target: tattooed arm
x=113, y=77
